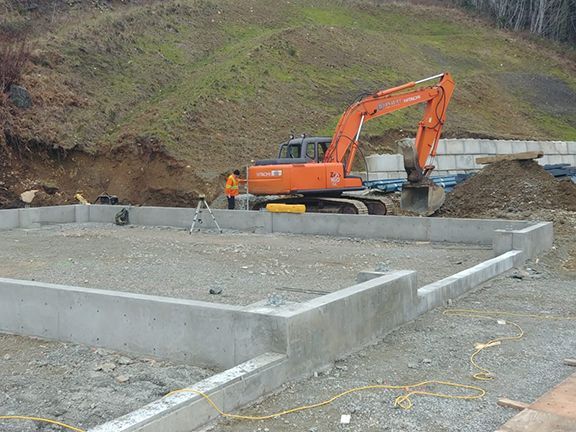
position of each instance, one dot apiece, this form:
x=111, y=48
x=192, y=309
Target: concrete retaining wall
x=456, y=156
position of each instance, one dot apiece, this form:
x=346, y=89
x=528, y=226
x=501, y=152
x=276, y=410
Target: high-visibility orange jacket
x=231, y=186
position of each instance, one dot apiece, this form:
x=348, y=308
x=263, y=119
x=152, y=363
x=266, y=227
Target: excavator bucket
x=423, y=198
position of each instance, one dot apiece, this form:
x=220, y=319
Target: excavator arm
x=345, y=140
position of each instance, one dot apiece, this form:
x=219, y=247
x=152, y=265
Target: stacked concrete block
x=458, y=156
x=446, y=162
x=387, y=162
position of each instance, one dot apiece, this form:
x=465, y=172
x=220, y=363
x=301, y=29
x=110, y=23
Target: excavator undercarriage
x=344, y=204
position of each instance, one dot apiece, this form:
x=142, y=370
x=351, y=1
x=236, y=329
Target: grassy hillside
x=220, y=82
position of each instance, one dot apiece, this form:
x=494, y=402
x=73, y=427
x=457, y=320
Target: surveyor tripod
x=197, y=214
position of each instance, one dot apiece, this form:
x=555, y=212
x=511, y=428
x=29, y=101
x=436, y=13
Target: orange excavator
x=315, y=171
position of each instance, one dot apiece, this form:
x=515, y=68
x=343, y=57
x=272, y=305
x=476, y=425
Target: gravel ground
x=78, y=385
x=247, y=267
x=438, y=347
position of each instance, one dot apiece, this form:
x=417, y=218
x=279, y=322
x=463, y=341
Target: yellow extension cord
x=403, y=401
x=42, y=420
x=485, y=374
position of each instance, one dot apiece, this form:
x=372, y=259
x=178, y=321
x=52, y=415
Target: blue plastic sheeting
x=395, y=185
x=561, y=170
x=448, y=183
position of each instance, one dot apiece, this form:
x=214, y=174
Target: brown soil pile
x=507, y=188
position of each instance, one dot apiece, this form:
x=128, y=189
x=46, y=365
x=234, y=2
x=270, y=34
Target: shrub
x=14, y=55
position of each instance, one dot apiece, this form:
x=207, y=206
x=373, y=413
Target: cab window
x=322, y=147
x=290, y=151
x=294, y=150
x=311, y=150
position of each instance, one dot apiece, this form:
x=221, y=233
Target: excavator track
x=335, y=205
x=347, y=205
x=380, y=206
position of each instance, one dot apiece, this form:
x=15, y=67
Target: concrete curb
x=438, y=293
x=183, y=412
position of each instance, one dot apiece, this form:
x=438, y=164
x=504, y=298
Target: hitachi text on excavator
x=315, y=171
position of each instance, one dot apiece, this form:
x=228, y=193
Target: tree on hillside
x=14, y=53
x=554, y=19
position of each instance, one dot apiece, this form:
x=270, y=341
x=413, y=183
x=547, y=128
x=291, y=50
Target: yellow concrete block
x=286, y=208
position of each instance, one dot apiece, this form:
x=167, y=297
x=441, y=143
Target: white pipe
x=359, y=129
x=429, y=78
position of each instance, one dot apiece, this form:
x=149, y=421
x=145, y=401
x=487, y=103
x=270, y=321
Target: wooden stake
x=509, y=403
x=512, y=156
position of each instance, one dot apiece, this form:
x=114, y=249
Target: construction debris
x=29, y=195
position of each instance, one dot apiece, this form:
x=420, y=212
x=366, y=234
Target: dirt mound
x=507, y=188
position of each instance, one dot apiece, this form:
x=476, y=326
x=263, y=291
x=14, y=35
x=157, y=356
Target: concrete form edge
x=439, y=292
x=186, y=411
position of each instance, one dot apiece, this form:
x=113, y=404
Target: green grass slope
x=219, y=83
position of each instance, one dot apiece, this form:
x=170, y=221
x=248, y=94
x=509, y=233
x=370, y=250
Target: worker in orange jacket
x=231, y=189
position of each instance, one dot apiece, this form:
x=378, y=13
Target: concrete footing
x=261, y=346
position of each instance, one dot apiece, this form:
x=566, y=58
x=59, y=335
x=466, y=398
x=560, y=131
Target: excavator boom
x=345, y=140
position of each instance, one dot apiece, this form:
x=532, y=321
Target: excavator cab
x=310, y=148
x=300, y=150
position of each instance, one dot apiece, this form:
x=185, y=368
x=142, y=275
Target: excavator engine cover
x=423, y=198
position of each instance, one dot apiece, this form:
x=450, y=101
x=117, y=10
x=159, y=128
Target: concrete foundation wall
x=182, y=217
x=204, y=334
x=437, y=293
x=276, y=344
x=532, y=240
x=30, y=217
x=331, y=326
x=318, y=332
x=476, y=231
x=9, y=219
